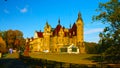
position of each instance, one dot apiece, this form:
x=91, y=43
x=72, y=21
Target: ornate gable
x=61, y=32
x=47, y=28
x=56, y=30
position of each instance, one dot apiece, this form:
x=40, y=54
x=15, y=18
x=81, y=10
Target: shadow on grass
x=43, y=63
x=96, y=59
x=11, y=63
x=28, y=62
x=106, y=61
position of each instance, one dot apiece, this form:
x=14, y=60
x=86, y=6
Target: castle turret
x=47, y=28
x=80, y=35
x=46, y=36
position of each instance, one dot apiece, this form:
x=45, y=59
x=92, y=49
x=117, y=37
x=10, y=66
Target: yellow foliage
x=2, y=45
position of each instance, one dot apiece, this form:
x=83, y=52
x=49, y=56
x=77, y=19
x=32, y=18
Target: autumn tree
x=19, y=41
x=109, y=13
x=2, y=45
x=13, y=38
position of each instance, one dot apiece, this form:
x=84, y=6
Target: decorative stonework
x=52, y=39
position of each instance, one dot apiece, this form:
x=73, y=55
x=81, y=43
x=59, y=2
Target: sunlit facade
x=52, y=39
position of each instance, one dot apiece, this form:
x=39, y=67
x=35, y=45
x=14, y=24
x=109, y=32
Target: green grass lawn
x=11, y=56
x=69, y=58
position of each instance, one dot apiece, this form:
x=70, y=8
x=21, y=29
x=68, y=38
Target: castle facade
x=52, y=39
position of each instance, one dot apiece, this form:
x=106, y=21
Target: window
x=63, y=49
x=74, y=49
x=73, y=33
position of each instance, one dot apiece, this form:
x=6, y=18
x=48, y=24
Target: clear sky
x=31, y=15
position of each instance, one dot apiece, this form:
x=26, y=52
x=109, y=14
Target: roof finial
x=79, y=15
x=59, y=21
x=47, y=24
x=70, y=25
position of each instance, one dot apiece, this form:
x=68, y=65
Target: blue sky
x=30, y=15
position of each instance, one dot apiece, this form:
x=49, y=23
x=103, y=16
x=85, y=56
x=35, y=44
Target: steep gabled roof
x=40, y=34
x=74, y=27
x=73, y=30
x=56, y=30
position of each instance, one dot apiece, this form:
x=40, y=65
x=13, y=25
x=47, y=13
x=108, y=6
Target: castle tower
x=80, y=35
x=46, y=36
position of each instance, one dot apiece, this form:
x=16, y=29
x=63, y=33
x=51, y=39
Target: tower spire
x=70, y=25
x=47, y=23
x=79, y=16
x=59, y=21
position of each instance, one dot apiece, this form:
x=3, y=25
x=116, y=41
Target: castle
x=52, y=39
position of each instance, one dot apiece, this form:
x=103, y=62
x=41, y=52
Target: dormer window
x=73, y=33
x=70, y=34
